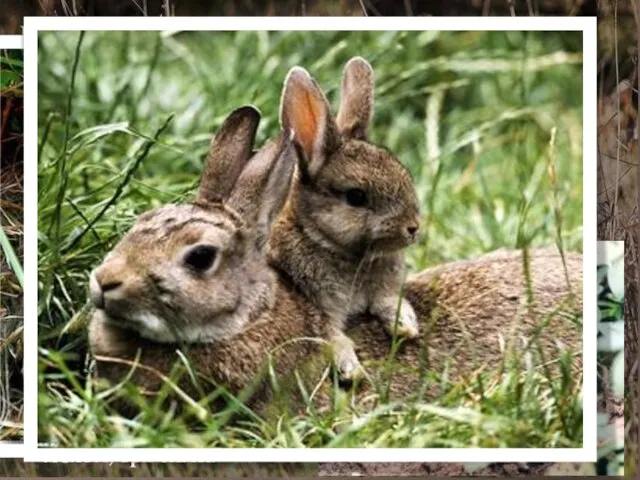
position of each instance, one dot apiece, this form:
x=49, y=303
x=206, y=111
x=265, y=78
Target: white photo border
x=11, y=449
x=10, y=42
x=587, y=25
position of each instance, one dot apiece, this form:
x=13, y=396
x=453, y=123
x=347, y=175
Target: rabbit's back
x=470, y=310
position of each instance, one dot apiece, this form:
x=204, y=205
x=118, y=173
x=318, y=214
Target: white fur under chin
x=153, y=328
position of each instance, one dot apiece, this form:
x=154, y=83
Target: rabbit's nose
x=412, y=228
x=100, y=284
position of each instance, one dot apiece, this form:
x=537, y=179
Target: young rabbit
x=193, y=277
x=351, y=211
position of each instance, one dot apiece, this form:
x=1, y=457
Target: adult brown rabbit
x=193, y=277
x=351, y=212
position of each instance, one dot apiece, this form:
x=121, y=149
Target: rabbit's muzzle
x=396, y=234
x=108, y=289
x=119, y=298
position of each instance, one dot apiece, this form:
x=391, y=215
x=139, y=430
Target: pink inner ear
x=307, y=117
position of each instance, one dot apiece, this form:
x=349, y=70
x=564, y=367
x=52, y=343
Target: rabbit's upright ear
x=278, y=184
x=263, y=187
x=305, y=111
x=356, y=99
x=229, y=152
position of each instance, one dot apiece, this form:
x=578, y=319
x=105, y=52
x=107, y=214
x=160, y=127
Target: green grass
x=490, y=125
x=516, y=411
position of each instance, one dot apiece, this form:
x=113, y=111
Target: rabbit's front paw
x=346, y=361
x=407, y=323
x=349, y=368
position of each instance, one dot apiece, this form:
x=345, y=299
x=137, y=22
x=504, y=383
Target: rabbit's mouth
x=392, y=244
x=379, y=247
x=147, y=325
x=117, y=321
x=113, y=320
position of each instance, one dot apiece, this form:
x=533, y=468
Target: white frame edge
x=587, y=25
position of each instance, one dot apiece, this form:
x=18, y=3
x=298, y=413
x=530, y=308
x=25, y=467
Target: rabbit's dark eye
x=201, y=257
x=356, y=197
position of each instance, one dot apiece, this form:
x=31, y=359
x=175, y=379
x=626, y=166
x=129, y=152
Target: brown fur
x=234, y=141
x=464, y=307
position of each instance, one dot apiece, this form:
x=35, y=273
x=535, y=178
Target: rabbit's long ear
x=305, y=111
x=263, y=187
x=229, y=152
x=356, y=99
